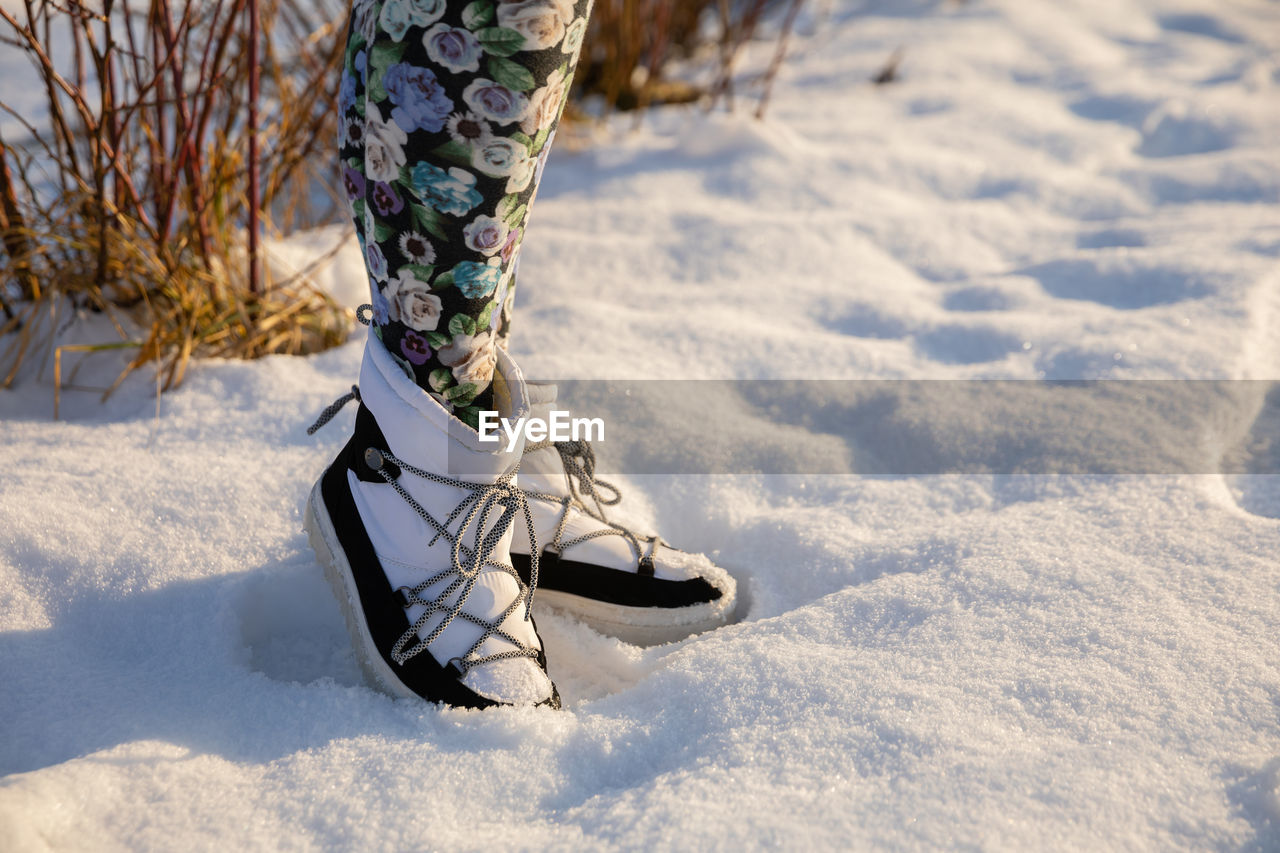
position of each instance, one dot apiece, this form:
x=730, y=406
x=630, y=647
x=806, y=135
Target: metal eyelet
x=373, y=458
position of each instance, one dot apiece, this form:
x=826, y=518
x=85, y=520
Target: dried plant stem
x=14, y=228
x=255, y=195
x=779, y=53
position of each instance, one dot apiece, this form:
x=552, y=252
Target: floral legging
x=448, y=110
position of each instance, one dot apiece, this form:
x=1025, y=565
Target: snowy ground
x=1056, y=188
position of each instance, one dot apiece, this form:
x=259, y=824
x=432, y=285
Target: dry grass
x=134, y=200
x=632, y=46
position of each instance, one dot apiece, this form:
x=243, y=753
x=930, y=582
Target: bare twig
x=13, y=228
x=778, y=55
x=889, y=72
x=254, y=194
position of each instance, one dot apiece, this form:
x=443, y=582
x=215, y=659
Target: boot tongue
x=503, y=401
x=542, y=470
x=542, y=396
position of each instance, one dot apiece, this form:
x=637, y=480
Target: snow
x=1061, y=190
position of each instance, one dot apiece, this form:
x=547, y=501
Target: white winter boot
x=633, y=587
x=413, y=525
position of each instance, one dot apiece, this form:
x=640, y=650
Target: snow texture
x=1054, y=188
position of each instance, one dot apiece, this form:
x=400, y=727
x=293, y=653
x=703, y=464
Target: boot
x=413, y=524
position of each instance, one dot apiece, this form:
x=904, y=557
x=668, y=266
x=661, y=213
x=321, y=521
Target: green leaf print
x=461, y=324
x=454, y=152
x=382, y=232
x=354, y=44
x=515, y=217
x=382, y=57
x=500, y=41
x=461, y=395
x=430, y=221
x=421, y=272
x=440, y=379
x=515, y=77
x=445, y=279
x=523, y=140
x=469, y=416
x=482, y=322
x=405, y=366
x=477, y=14
x=540, y=140
x=506, y=205
x=437, y=340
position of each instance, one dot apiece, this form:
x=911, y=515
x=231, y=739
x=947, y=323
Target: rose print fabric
x=448, y=110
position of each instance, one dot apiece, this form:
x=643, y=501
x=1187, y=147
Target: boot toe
x=512, y=681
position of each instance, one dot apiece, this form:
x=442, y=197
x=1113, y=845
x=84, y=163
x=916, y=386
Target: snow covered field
x=1055, y=189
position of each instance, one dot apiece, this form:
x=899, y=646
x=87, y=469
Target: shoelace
x=579, y=461
x=467, y=564
x=477, y=506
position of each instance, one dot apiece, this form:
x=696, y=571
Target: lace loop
x=579, y=460
x=333, y=409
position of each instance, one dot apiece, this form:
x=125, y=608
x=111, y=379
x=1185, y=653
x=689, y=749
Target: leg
x=449, y=109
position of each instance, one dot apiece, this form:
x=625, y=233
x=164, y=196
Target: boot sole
x=640, y=626
x=337, y=571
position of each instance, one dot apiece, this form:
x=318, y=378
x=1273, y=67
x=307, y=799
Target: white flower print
x=383, y=147
x=498, y=156
x=485, y=234
x=471, y=358
x=426, y=12
x=365, y=19
x=399, y=15
x=411, y=302
x=495, y=102
x=541, y=22
x=417, y=248
x=573, y=37
x=468, y=128
x=544, y=104
x=353, y=132
x=522, y=175
x=453, y=47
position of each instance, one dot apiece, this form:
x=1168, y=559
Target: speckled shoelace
x=579, y=460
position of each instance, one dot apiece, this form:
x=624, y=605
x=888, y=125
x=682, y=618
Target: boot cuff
x=423, y=433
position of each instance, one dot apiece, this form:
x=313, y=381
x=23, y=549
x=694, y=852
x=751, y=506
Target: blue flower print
x=476, y=281
x=420, y=101
x=395, y=19
x=347, y=96
x=451, y=192
x=377, y=261
x=381, y=308
x=361, y=63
